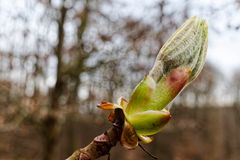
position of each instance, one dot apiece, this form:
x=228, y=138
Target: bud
x=179, y=61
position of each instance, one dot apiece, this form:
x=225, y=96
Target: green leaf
x=141, y=96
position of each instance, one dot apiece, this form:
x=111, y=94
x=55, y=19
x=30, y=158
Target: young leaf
x=187, y=47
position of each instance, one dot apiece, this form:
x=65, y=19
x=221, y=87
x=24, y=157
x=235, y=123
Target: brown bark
x=102, y=144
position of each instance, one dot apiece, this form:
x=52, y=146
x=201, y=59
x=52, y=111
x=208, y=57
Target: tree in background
x=67, y=56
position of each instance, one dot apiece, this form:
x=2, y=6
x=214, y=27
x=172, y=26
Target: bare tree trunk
x=50, y=133
x=51, y=126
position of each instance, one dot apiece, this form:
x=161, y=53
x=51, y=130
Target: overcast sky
x=224, y=44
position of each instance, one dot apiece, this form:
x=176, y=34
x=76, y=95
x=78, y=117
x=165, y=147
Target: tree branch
x=102, y=144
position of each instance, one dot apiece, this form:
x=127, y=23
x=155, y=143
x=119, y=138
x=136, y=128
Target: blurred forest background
x=60, y=58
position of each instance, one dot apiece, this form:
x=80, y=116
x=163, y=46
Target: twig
x=102, y=144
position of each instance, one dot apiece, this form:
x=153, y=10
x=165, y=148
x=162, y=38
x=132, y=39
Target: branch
x=179, y=62
x=102, y=144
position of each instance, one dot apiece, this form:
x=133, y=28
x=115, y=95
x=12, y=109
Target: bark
x=102, y=144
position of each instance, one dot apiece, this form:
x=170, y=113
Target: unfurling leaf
x=179, y=61
x=187, y=47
